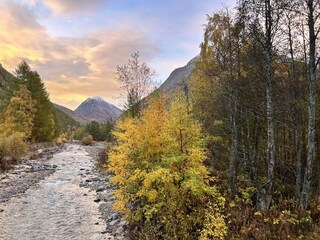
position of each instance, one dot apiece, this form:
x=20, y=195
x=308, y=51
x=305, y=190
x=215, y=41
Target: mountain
x=80, y=119
x=179, y=78
x=5, y=77
x=98, y=109
x=65, y=121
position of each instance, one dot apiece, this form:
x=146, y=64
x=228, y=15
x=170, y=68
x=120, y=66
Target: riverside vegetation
x=232, y=154
x=26, y=114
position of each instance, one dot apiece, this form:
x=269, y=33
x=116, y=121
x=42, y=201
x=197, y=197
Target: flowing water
x=55, y=208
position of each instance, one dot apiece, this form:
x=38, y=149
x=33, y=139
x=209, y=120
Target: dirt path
x=73, y=201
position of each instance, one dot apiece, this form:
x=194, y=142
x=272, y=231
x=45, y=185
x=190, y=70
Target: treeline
x=254, y=95
x=98, y=131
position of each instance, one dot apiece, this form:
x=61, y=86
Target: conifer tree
x=45, y=126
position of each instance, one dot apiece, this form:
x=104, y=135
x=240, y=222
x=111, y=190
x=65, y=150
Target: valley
x=159, y=120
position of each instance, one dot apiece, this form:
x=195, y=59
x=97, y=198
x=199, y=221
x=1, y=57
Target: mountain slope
x=5, y=77
x=80, y=119
x=179, y=78
x=65, y=121
x=98, y=109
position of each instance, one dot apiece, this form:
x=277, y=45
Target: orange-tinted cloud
x=72, y=68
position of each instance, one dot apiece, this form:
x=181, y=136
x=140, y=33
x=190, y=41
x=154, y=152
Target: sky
x=76, y=45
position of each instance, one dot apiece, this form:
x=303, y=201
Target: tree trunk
x=233, y=152
x=296, y=112
x=318, y=155
x=298, y=162
x=304, y=198
x=233, y=116
x=254, y=152
x=264, y=192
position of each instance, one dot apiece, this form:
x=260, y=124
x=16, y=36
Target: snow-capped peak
x=98, y=98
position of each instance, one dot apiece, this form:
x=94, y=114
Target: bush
x=164, y=189
x=62, y=139
x=104, y=155
x=87, y=140
x=12, y=147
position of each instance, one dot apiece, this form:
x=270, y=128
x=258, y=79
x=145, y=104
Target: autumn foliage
x=164, y=189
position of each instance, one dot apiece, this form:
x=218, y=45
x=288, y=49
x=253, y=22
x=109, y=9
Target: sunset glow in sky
x=75, y=45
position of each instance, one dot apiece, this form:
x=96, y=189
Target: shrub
x=62, y=139
x=12, y=147
x=87, y=140
x=104, y=155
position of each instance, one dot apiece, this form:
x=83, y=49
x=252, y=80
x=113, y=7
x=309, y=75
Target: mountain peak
x=98, y=98
x=96, y=108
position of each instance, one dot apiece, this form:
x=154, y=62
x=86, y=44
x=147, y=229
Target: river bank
x=61, y=195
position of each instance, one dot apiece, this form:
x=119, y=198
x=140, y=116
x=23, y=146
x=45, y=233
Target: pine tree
x=45, y=126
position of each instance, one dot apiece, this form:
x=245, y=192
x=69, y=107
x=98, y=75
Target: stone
x=100, y=189
x=83, y=184
x=39, y=151
x=123, y=223
x=112, y=223
x=95, y=179
x=113, y=216
x=97, y=200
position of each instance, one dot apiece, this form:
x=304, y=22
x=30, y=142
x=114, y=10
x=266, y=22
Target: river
x=56, y=207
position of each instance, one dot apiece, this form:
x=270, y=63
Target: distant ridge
x=80, y=119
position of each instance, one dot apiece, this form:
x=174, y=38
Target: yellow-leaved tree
x=163, y=187
x=15, y=126
x=19, y=114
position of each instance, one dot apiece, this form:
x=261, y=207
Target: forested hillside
x=249, y=115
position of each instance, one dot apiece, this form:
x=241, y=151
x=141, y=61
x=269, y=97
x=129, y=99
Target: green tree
x=93, y=128
x=45, y=126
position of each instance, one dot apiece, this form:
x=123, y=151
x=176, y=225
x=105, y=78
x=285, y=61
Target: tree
x=99, y=131
x=93, y=128
x=219, y=67
x=313, y=15
x=162, y=181
x=45, y=126
x=19, y=114
x=137, y=82
x=266, y=16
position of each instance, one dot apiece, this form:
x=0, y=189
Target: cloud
x=62, y=7
x=73, y=68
